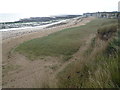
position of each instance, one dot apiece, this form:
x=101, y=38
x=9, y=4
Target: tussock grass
x=61, y=44
x=99, y=67
x=107, y=31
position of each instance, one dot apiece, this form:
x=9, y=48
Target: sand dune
x=34, y=70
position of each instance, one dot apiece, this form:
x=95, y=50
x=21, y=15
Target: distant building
x=114, y=14
x=108, y=14
x=87, y=14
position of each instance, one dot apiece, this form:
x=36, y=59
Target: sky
x=11, y=10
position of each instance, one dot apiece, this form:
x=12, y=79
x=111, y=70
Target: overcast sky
x=14, y=9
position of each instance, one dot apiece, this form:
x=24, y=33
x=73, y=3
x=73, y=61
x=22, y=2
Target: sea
x=8, y=27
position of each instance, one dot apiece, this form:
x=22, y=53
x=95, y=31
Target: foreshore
x=52, y=27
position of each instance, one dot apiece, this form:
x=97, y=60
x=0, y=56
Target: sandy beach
x=10, y=39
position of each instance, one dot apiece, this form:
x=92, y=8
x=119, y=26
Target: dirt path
x=19, y=72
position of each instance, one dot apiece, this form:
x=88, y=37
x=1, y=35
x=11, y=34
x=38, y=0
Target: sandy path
x=20, y=72
x=79, y=54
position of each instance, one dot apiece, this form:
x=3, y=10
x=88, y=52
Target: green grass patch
x=63, y=43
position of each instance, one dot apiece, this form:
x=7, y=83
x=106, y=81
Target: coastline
x=13, y=32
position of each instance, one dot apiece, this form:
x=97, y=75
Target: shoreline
x=53, y=27
x=32, y=27
x=9, y=33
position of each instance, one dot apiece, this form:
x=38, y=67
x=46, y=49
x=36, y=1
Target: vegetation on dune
x=106, y=31
x=99, y=68
x=63, y=43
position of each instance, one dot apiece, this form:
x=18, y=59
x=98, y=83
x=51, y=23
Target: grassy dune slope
x=63, y=43
x=99, y=67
